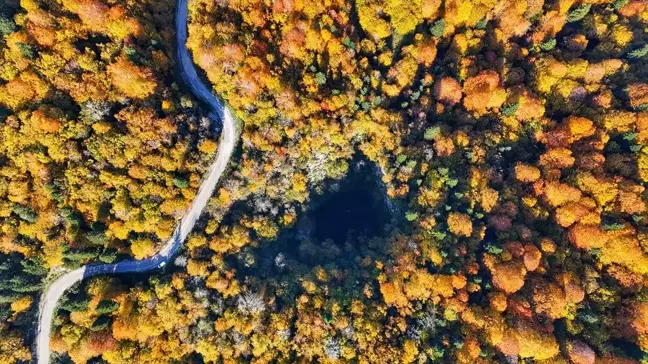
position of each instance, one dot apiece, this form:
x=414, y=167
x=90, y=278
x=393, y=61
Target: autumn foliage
x=507, y=141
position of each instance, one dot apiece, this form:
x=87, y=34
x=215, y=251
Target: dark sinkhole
x=355, y=207
x=348, y=209
x=337, y=227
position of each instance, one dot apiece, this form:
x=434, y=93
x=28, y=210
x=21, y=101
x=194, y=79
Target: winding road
x=226, y=147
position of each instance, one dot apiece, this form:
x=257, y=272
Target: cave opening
x=344, y=223
x=353, y=207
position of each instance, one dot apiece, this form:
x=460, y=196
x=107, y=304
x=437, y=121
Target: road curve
x=227, y=143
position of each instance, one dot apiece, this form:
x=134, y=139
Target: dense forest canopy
x=509, y=138
x=100, y=151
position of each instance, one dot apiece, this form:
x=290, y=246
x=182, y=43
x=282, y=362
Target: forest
x=417, y=181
